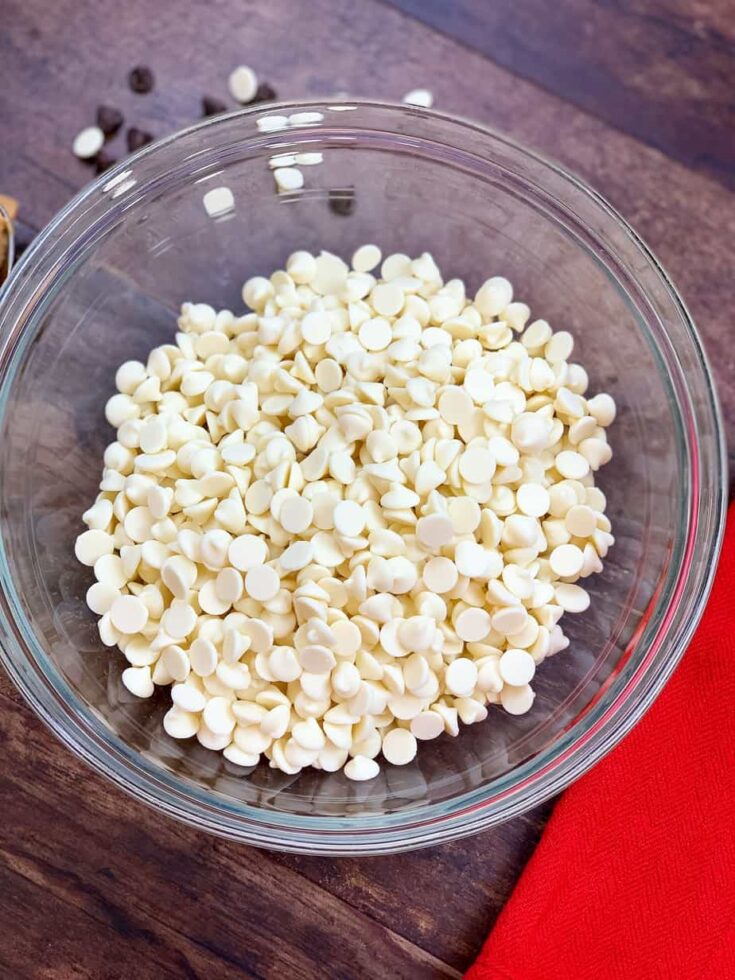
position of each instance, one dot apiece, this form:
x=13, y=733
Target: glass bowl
x=103, y=283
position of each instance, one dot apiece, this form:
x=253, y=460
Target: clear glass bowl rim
x=44, y=267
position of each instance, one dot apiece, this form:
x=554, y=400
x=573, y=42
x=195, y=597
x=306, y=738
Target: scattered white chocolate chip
x=420, y=97
x=88, y=143
x=351, y=517
x=243, y=84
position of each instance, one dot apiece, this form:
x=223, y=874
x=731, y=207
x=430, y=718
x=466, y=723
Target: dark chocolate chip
x=264, y=93
x=141, y=79
x=342, y=201
x=212, y=107
x=103, y=162
x=109, y=119
x=137, y=138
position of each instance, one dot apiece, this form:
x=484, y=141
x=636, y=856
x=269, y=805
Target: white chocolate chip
x=316, y=328
x=477, y=465
x=309, y=159
x=533, y=499
x=88, y=142
x=455, y=405
x=464, y=514
x=349, y=518
x=360, y=768
x=399, y=746
x=128, y=614
x=517, y=667
x=434, y=531
x=296, y=515
x=461, y=677
x=261, y=582
x=305, y=118
x=288, y=178
x=243, y=84
x=566, y=560
x=366, y=258
x=375, y=334
x=228, y=586
x=138, y=681
x=427, y=725
x=580, y=520
x=179, y=619
x=572, y=598
x=473, y=625
x=92, y=545
x=420, y=97
x=387, y=299
x=218, y=716
x=246, y=551
x=272, y=124
x=572, y=465
x=440, y=575
x=602, y=409
x=517, y=700
x=100, y=597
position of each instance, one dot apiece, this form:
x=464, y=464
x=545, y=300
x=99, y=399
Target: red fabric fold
x=634, y=878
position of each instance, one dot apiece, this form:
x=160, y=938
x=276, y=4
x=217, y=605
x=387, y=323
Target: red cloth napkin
x=634, y=878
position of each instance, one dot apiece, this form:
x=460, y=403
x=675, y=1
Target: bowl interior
x=132, y=253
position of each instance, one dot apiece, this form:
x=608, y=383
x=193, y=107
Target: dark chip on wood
x=141, y=79
x=264, y=93
x=137, y=138
x=109, y=119
x=20, y=246
x=342, y=201
x=212, y=107
x=103, y=162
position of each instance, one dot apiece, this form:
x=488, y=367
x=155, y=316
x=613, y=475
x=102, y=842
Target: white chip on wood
x=419, y=96
x=88, y=142
x=243, y=84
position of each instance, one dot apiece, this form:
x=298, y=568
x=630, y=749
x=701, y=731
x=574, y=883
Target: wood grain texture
x=137, y=876
x=98, y=880
x=184, y=904
x=446, y=898
x=663, y=72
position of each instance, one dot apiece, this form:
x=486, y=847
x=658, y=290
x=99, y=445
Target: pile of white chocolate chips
x=350, y=519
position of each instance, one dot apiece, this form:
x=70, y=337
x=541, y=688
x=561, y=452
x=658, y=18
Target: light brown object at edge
x=10, y=206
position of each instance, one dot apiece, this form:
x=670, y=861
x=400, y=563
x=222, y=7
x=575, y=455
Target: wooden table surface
x=635, y=95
